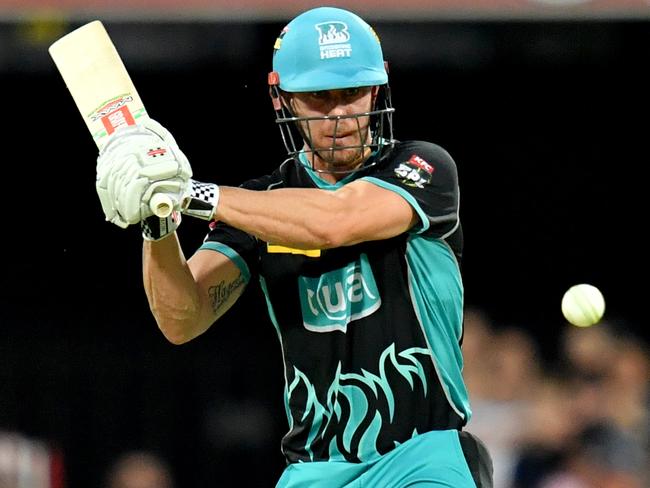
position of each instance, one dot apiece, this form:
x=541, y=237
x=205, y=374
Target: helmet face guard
x=331, y=49
x=374, y=137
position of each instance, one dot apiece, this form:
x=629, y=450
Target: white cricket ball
x=583, y=305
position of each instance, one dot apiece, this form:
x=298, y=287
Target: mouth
x=340, y=139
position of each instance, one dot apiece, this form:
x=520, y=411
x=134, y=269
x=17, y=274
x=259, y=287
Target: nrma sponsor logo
x=333, y=300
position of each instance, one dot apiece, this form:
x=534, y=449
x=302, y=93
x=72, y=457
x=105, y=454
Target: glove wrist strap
x=155, y=228
x=202, y=201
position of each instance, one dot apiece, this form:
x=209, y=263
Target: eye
x=352, y=92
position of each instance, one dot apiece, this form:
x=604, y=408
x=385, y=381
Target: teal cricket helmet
x=328, y=48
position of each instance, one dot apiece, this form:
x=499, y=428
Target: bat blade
x=97, y=80
x=101, y=87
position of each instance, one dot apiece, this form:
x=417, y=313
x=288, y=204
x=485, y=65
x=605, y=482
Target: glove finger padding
x=137, y=162
x=107, y=207
x=123, y=184
x=108, y=183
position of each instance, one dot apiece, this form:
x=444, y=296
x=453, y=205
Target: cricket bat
x=102, y=89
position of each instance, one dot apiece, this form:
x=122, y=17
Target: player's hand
x=137, y=162
x=200, y=201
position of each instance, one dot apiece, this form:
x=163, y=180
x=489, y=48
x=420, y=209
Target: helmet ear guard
x=330, y=49
x=274, y=82
x=284, y=118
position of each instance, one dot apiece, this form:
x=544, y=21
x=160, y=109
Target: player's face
x=337, y=140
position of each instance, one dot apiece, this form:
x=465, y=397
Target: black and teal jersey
x=370, y=333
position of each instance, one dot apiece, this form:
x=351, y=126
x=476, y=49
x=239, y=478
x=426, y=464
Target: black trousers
x=478, y=459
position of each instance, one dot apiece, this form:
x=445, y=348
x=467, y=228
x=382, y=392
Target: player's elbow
x=178, y=327
x=339, y=219
x=334, y=229
x=176, y=336
x=173, y=331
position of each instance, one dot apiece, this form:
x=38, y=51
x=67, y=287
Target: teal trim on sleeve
x=231, y=254
x=406, y=196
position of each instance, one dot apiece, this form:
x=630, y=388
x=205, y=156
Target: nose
x=340, y=108
x=338, y=104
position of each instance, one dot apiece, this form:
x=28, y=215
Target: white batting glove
x=156, y=228
x=200, y=201
x=137, y=162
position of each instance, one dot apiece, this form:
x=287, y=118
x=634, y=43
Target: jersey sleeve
x=425, y=175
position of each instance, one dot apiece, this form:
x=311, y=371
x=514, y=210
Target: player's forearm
x=295, y=217
x=171, y=290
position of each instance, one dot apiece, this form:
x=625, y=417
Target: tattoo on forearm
x=219, y=294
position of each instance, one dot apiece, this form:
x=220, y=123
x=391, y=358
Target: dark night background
x=547, y=122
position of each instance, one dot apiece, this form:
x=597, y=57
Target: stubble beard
x=343, y=159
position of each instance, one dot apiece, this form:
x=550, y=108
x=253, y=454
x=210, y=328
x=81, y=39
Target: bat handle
x=161, y=205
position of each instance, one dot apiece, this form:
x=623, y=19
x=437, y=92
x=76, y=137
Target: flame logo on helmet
x=332, y=33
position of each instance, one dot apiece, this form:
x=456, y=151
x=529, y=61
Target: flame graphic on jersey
x=356, y=389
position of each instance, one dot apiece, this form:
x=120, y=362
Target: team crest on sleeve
x=415, y=172
x=333, y=40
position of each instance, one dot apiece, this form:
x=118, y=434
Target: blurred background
x=542, y=103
